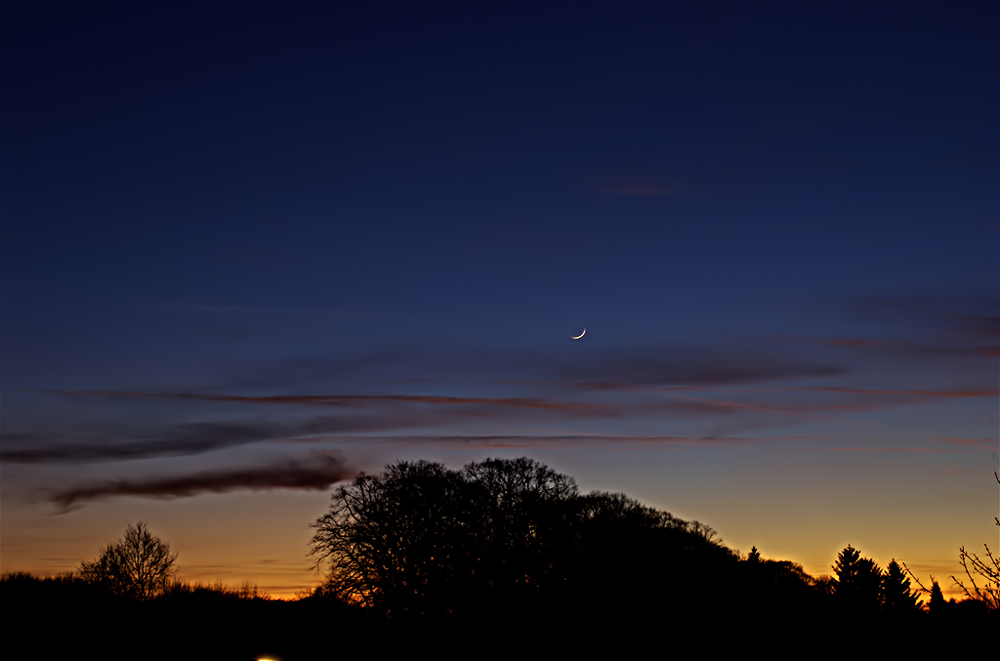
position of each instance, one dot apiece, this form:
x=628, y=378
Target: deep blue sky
x=370, y=228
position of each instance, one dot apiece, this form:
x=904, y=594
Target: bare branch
x=915, y=579
x=139, y=565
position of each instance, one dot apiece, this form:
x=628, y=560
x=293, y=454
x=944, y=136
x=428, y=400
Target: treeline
x=503, y=544
x=514, y=539
x=505, y=538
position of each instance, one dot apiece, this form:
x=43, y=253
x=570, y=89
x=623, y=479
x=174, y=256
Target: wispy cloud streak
x=350, y=400
x=883, y=391
x=501, y=441
x=992, y=445
x=315, y=475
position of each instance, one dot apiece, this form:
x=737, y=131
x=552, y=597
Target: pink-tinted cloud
x=555, y=440
x=350, y=400
x=990, y=444
x=884, y=449
x=940, y=348
x=917, y=393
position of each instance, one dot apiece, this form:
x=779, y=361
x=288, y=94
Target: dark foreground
x=52, y=619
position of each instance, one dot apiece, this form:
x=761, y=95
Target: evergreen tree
x=859, y=582
x=897, y=597
x=937, y=603
x=846, y=567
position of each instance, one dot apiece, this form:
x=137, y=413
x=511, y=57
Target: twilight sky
x=250, y=249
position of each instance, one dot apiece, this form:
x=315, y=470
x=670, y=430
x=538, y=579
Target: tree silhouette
x=897, y=597
x=421, y=539
x=859, y=582
x=937, y=603
x=139, y=565
x=846, y=566
x=394, y=540
x=983, y=575
x=519, y=484
x=502, y=536
x=520, y=523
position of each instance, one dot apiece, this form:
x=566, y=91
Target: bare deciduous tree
x=139, y=565
x=987, y=588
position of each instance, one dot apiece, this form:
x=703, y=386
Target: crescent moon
x=577, y=337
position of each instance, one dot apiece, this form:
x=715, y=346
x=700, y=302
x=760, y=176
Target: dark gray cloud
x=317, y=474
x=356, y=414
x=490, y=422
x=687, y=367
x=955, y=319
x=909, y=349
x=183, y=439
x=176, y=440
x=500, y=441
x=357, y=401
x=666, y=365
x=973, y=325
x=560, y=388
x=554, y=389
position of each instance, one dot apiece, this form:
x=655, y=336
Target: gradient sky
x=250, y=249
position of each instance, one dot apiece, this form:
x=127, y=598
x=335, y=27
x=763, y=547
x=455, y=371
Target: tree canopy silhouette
x=139, y=565
x=422, y=539
x=391, y=539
